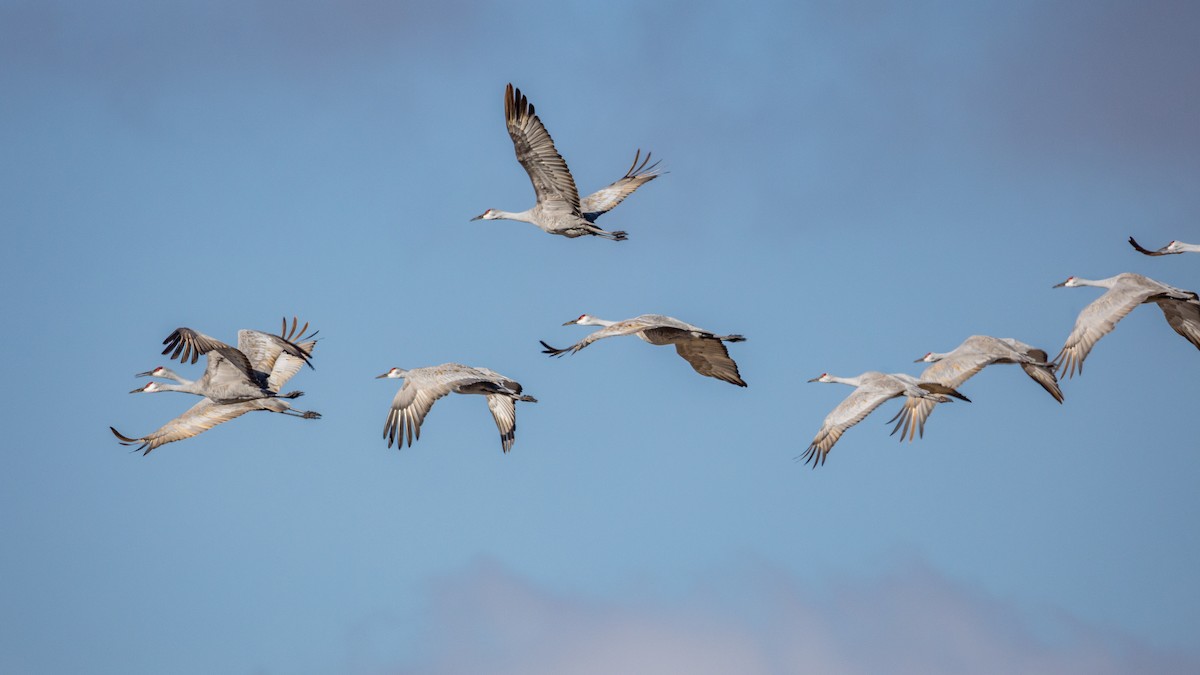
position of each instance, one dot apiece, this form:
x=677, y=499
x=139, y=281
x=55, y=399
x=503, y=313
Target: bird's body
x=964, y=361
x=559, y=209
x=423, y=386
x=1125, y=292
x=235, y=381
x=703, y=349
x=1170, y=249
x=871, y=389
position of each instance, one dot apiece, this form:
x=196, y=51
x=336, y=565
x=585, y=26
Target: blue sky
x=850, y=186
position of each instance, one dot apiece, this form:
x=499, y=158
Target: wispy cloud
x=761, y=620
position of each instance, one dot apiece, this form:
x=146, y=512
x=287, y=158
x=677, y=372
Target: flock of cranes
x=250, y=376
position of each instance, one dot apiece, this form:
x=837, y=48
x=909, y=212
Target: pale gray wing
x=409, y=408
x=191, y=344
x=286, y=366
x=708, y=356
x=1184, y=317
x=860, y=403
x=196, y=420
x=1094, y=322
x=552, y=180
x=951, y=371
x=264, y=348
x=606, y=199
x=504, y=411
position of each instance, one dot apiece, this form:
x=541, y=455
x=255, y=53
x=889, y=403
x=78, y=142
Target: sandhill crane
x=558, y=209
x=1171, y=248
x=423, y=386
x=1125, y=291
x=957, y=366
x=701, y=348
x=208, y=413
x=231, y=374
x=872, y=388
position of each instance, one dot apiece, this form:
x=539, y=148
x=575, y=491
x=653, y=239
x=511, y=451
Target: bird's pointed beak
x=148, y=373
x=479, y=217
x=815, y=379
x=1060, y=285
x=919, y=360
x=138, y=390
x=380, y=377
x=571, y=322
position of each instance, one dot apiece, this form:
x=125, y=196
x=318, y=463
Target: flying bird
x=423, y=386
x=871, y=389
x=701, y=348
x=558, y=209
x=208, y=413
x=1169, y=249
x=960, y=364
x=1125, y=291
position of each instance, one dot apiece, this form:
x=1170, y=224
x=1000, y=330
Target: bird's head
x=583, y=320
x=157, y=372
x=394, y=373
x=490, y=214
x=823, y=377
x=1071, y=282
x=929, y=357
x=150, y=388
x=1173, y=246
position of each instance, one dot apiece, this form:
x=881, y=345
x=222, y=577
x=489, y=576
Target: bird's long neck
x=185, y=386
x=852, y=381
x=1189, y=248
x=523, y=216
x=1099, y=283
x=594, y=321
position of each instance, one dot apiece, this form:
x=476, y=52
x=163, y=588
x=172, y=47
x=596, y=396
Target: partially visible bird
x=701, y=348
x=558, y=209
x=960, y=364
x=1125, y=291
x=423, y=386
x=208, y=413
x=1169, y=249
x=871, y=389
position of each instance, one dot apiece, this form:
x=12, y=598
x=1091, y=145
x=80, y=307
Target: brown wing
x=190, y=343
x=606, y=199
x=197, y=419
x=708, y=356
x=552, y=180
x=1184, y=317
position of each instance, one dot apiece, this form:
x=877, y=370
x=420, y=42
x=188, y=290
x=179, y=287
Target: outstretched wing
x=409, y=408
x=951, y=371
x=708, y=356
x=286, y=366
x=1184, y=317
x=262, y=349
x=504, y=411
x=606, y=199
x=190, y=343
x=860, y=403
x=627, y=327
x=196, y=420
x=1094, y=322
x=552, y=180
x=1161, y=251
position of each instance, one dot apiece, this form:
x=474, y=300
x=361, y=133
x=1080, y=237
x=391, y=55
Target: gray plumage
x=208, y=412
x=424, y=386
x=964, y=361
x=558, y=209
x=1124, y=292
x=703, y=349
x=871, y=389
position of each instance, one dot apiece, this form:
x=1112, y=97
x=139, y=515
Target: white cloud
x=760, y=620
